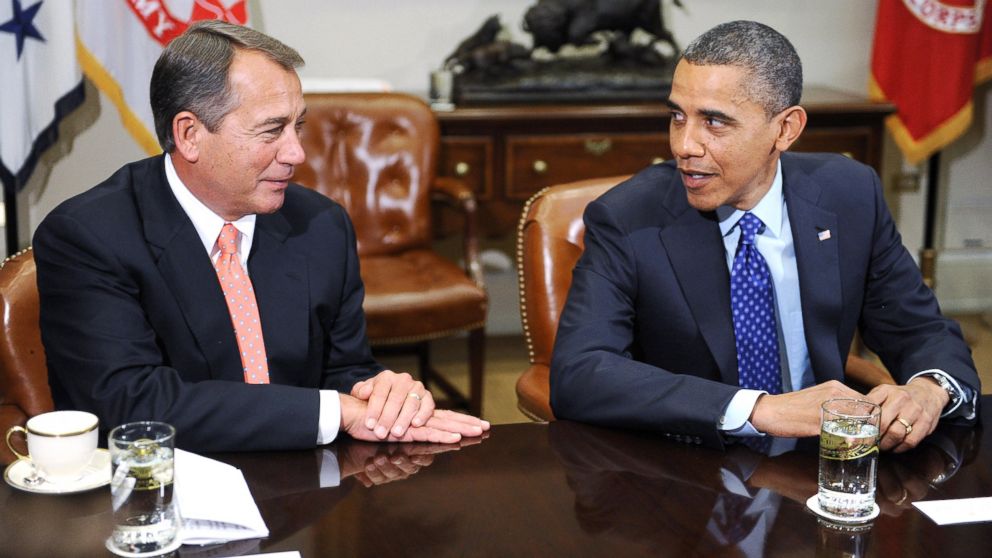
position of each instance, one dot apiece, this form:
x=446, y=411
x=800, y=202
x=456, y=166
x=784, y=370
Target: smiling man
x=719, y=292
x=202, y=288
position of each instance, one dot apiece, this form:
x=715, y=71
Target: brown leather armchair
x=376, y=154
x=24, y=390
x=549, y=243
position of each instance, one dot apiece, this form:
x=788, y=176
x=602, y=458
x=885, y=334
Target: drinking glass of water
x=848, y=459
x=145, y=517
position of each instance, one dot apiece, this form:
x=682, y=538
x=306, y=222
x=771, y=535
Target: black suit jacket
x=135, y=326
x=646, y=338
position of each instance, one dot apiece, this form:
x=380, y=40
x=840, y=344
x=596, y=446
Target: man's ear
x=791, y=123
x=187, y=132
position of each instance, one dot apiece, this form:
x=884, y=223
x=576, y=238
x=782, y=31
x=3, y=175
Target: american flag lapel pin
x=823, y=235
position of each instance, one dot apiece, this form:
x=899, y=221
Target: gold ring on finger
x=905, y=494
x=905, y=423
x=413, y=395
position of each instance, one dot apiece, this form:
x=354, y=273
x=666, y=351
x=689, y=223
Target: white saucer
x=97, y=474
x=174, y=545
x=814, y=505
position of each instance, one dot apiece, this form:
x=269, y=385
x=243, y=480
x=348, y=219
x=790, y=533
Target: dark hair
x=775, y=73
x=192, y=73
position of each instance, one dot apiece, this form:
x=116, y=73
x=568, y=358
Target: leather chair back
x=24, y=390
x=374, y=153
x=549, y=243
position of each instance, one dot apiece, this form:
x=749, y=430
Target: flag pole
x=928, y=254
x=10, y=214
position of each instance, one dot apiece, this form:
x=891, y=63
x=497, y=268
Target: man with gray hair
x=202, y=288
x=719, y=292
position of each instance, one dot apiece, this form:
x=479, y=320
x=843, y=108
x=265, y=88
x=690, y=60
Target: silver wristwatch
x=952, y=393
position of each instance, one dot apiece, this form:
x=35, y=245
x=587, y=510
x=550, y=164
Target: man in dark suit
x=146, y=311
x=718, y=293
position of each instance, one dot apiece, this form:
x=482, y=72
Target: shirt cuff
x=734, y=420
x=966, y=399
x=330, y=471
x=329, y=419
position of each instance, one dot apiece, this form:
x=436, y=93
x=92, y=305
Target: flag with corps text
x=927, y=58
x=120, y=40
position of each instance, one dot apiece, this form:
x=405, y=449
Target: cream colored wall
x=402, y=40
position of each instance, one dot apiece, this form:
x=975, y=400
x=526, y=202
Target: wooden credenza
x=507, y=153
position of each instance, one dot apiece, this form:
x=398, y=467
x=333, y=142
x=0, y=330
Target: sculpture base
x=582, y=80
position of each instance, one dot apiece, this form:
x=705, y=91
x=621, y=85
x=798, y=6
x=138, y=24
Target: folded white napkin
x=214, y=502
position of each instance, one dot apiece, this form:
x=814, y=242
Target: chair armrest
x=864, y=374
x=534, y=393
x=455, y=193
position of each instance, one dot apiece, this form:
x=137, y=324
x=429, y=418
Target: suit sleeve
x=595, y=376
x=900, y=319
x=350, y=359
x=103, y=356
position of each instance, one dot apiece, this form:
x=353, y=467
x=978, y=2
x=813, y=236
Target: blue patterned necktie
x=753, y=304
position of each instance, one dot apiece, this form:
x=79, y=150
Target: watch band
x=952, y=393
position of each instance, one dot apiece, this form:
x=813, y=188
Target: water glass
x=145, y=516
x=849, y=431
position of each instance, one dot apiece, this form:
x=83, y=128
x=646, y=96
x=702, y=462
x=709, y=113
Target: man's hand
x=909, y=413
x=395, y=403
x=442, y=427
x=797, y=414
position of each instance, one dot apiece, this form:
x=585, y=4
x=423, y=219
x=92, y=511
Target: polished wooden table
x=560, y=489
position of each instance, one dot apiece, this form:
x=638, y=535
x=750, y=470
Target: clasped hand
x=797, y=414
x=395, y=407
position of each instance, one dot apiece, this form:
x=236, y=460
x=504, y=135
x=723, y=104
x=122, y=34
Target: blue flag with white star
x=40, y=82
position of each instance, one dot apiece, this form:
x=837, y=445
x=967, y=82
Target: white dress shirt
x=775, y=243
x=208, y=225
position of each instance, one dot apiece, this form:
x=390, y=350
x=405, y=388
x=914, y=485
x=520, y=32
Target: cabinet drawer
x=470, y=159
x=533, y=162
x=853, y=142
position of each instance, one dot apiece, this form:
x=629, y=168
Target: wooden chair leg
x=476, y=361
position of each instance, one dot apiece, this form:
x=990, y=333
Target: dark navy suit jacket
x=646, y=337
x=135, y=326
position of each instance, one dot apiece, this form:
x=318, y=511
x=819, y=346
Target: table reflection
x=681, y=500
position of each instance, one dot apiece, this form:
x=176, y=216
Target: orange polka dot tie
x=240, y=299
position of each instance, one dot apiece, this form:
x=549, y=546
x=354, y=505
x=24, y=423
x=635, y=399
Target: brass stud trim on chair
x=520, y=270
x=409, y=340
x=14, y=256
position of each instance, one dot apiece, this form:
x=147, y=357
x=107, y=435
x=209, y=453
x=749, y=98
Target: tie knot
x=750, y=226
x=227, y=240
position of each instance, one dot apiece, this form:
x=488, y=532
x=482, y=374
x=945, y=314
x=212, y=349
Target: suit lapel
x=279, y=277
x=818, y=264
x=186, y=269
x=696, y=252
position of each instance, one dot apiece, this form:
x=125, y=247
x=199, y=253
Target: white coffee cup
x=60, y=443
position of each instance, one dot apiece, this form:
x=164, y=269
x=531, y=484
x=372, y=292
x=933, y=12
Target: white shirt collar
x=207, y=223
x=769, y=209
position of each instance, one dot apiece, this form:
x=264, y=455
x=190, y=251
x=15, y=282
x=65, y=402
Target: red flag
x=927, y=58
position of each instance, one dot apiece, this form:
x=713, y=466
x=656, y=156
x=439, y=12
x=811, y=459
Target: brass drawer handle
x=598, y=147
x=657, y=160
x=540, y=167
x=462, y=168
